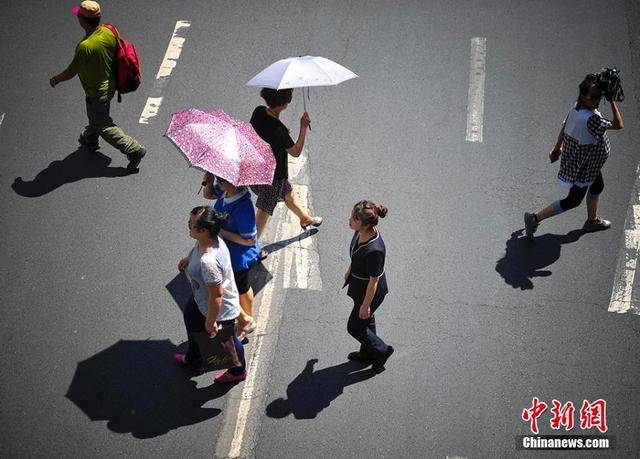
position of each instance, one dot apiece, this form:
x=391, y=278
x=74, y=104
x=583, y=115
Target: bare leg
x=592, y=206
x=261, y=221
x=246, y=302
x=244, y=319
x=291, y=201
x=547, y=212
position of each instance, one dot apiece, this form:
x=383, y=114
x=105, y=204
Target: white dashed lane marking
x=622, y=300
x=169, y=62
x=475, y=107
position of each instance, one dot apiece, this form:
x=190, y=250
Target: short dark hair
x=90, y=21
x=275, y=98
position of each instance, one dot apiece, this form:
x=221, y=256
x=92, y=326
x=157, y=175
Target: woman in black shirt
x=367, y=283
x=266, y=122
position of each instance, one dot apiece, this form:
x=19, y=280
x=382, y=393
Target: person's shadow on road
x=525, y=259
x=77, y=166
x=274, y=246
x=311, y=392
x=137, y=387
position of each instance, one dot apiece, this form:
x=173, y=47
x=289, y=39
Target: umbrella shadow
x=311, y=392
x=77, y=166
x=180, y=290
x=526, y=259
x=274, y=246
x=137, y=388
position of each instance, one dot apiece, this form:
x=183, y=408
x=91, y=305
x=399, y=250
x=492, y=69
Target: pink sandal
x=226, y=378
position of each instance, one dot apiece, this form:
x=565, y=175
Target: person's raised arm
x=208, y=191
x=296, y=149
x=618, y=122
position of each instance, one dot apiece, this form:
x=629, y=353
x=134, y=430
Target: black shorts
x=242, y=281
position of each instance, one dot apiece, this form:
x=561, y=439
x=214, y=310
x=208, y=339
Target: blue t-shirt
x=242, y=221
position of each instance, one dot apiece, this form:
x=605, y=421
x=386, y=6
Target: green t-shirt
x=93, y=60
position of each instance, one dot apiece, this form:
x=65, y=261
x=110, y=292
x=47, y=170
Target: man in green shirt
x=93, y=62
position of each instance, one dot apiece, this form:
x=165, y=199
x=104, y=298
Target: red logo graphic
x=534, y=413
x=592, y=415
x=562, y=415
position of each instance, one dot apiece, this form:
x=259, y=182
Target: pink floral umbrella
x=222, y=145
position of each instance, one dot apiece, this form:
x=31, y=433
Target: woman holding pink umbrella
x=239, y=233
x=266, y=122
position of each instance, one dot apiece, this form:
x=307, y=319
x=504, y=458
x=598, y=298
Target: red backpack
x=126, y=65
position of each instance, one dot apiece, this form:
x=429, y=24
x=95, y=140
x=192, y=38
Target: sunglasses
x=192, y=226
x=594, y=97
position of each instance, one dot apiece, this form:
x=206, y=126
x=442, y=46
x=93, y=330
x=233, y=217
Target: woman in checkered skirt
x=266, y=122
x=584, y=147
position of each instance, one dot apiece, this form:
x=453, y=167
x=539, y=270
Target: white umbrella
x=302, y=72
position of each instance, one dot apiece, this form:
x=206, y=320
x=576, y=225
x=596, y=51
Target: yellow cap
x=88, y=9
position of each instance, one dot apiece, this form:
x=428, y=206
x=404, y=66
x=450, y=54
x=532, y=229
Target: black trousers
x=364, y=330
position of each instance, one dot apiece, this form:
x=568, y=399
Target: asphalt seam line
x=475, y=107
x=293, y=266
x=169, y=62
x=622, y=292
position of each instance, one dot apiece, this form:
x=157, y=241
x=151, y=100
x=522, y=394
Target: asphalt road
x=481, y=320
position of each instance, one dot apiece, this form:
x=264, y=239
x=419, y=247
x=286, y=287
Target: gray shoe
x=598, y=224
x=135, y=158
x=530, y=224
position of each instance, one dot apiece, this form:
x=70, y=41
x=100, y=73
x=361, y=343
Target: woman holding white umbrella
x=266, y=122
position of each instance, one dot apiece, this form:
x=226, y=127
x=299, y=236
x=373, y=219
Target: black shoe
x=358, y=357
x=530, y=224
x=135, y=158
x=86, y=146
x=263, y=254
x=379, y=363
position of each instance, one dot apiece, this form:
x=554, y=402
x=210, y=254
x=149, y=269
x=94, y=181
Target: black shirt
x=367, y=260
x=276, y=134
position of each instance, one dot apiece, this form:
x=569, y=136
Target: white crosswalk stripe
x=622, y=293
x=169, y=62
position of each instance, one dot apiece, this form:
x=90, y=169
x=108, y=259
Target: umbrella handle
x=304, y=102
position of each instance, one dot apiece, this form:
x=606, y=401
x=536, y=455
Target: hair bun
x=382, y=211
